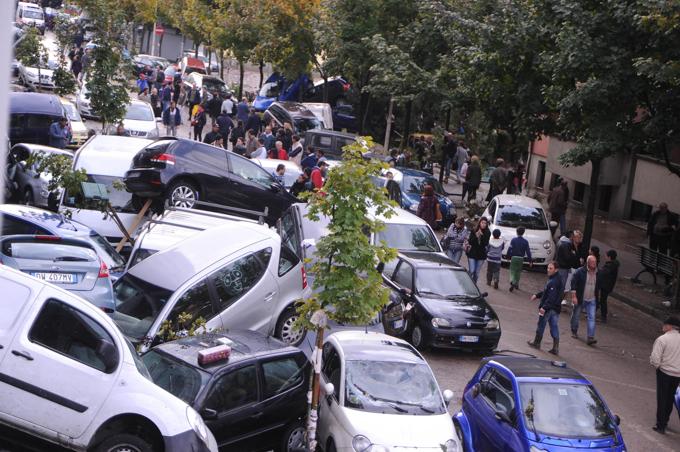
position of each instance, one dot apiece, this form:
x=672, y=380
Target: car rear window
x=50, y=251
x=177, y=378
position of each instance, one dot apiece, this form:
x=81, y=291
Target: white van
x=105, y=158
x=31, y=15
x=323, y=113
x=70, y=377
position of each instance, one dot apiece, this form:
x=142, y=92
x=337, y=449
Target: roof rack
x=260, y=215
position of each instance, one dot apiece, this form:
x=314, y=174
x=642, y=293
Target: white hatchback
x=508, y=212
x=381, y=395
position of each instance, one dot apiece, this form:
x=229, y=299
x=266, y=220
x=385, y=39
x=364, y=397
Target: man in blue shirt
x=519, y=247
x=549, y=309
x=59, y=133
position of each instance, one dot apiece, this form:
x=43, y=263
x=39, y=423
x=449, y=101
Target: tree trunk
x=160, y=45
x=221, y=64
x=261, y=73
x=590, y=203
x=364, y=105
x=209, y=60
x=196, y=46
x=447, y=124
x=316, y=391
x=407, y=124
x=148, y=29
x=388, y=128
x=241, y=71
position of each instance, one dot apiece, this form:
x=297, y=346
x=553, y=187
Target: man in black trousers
x=666, y=359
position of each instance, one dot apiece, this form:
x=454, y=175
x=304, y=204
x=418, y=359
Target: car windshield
x=138, y=303
x=565, y=410
x=445, y=282
x=100, y=242
x=408, y=237
x=415, y=184
x=304, y=124
x=177, y=378
x=215, y=85
x=120, y=200
x=32, y=14
x=139, y=112
x=392, y=387
x=72, y=112
x=515, y=216
x=271, y=89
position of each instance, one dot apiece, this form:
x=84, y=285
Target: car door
x=329, y=404
x=62, y=367
x=207, y=165
x=496, y=395
x=16, y=301
x=491, y=211
x=246, y=291
x=232, y=403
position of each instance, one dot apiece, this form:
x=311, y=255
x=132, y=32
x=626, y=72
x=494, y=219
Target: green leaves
x=107, y=84
x=30, y=50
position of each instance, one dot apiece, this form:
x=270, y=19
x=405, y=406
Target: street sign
x=159, y=30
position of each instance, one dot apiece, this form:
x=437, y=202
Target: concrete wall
x=653, y=183
x=611, y=170
x=172, y=46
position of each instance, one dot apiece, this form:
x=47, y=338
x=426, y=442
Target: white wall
x=653, y=183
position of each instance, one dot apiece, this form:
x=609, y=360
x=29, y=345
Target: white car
x=380, y=395
x=139, y=121
x=78, y=128
x=293, y=170
x=508, y=212
x=70, y=377
x=33, y=79
x=83, y=102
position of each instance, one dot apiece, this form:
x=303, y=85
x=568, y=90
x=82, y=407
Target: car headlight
x=197, y=424
x=414, y=207
x=547, y=244
x=360, y=443
x=536, y=449
x=493, y=324
x=439, y=322
x=32, y=76
x=452, y=446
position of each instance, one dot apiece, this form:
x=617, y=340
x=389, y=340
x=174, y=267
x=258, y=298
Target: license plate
x=398, y=323
x=58, y=278
x=134, y=174
x=468, y=338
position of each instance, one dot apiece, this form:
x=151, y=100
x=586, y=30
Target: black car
x=250, y=389
x=184, y=171
x=31, y=115
x=442, y=305
x=297, y=115
x=329, y=141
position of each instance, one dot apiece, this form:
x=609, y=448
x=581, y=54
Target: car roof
x=296, y=109
x=412, y=172
x=46, y=149
x=334, y=133
x=535, y=368
x=428, y=259
x=109, y=155
x=171, y=267
x=45, y=218
x=514, y=200
x=245, y=344
x=194, y=62
x=36, y=103
x=374, y=346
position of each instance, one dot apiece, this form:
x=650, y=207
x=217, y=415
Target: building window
x=605, y=197
x=579, y=191
x=640, y=211
x=540, y=174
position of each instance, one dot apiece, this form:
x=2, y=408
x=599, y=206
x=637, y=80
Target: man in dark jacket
x=585, y=286
x=225, y=124
x=254, y=122
x=557, y=203
x=549, y=309
x=498, y=180
x=393, y=189
x=660, y=228
x=473, y=178
x=608, y=275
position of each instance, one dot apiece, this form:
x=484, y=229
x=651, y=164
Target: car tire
x=331, y=446
x=182, y=189
x=293, y=438
x=124, y=442
x=284, y=328
x=418, y=338
x=28, y=199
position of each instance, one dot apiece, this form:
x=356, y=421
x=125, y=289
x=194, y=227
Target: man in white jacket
x=666, y=359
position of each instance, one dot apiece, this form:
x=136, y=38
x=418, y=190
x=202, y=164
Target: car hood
x=34, y=71
x=145, y=126
x=473, y=310
x=78, y=128
x=575, y=444
x=398, y=430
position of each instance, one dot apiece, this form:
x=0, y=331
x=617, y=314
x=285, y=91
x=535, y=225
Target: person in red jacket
x=318, y=174
x=280, y=152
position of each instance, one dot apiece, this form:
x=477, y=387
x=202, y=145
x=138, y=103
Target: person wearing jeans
x=549, y=309
x=584, y=288
x=455, y=239
x=476, y=248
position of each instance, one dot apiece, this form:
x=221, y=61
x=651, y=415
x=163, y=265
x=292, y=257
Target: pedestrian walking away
x=566, y=258
x=665, y=358
x=476, y=248
x=494, y=254
x=171, y=119
x=609, y=273
x=549, y=309
x=456, y=239
x=429, y=204
x=450, y=148
x=473, y=177
x=660, y=228
x=584, y=288
x=558, y=200
x=498, y=180
x=461, y=157
x=519, y=249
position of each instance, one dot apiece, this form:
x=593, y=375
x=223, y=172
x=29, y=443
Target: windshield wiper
x=423, y=292
x=391, y=403
x=460, y=297
x=529, y=412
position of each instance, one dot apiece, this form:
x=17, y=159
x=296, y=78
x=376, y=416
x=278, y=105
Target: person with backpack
x=519, y=248
x=199, y=120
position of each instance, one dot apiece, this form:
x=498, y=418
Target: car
x=71, y=378
x=141, y=61
x=189, y=65
x=211, y=66
x=31, y=115
x=70, y=263
x=443, y=306
x=79, y=131
x=252, y=281
x=18, y=219
x=30, y=15
x=183, y=171
x=40, y=76
x=277, y=88
x=329, y=141
x=33, y=186
x=294, y=113
x=83, y=102
x=250, y=389
x=379, y=395
x=344, y=118
x=323, y=113
x=139, y=121
x=105, y=159
x=527, y=404
x=293, y=170
x=508, y=212
x=212, y=83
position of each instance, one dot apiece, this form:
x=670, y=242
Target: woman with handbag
x=455, y=239
x=476, y=249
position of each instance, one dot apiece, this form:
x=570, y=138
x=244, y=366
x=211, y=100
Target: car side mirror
x=484, y=294
x=448, y=395
x=502, y=415
x=275, y=187
x=329, y=389
x=476, y=389
x=405, y=291
x=208, y=414
x=308, y=243
x=108, y=353
x=617, y=419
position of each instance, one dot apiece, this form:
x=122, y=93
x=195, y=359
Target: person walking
x=660, y=228
x=296, y=150
x=213, y=137
x=519, y=249
x=427, y=209
x=142, y=83
x=251, y=143
x=609, y=273
x=494, y=254
x=171, y=119
x=318, y=174
x=449, y=149
x=498, y=180
x=76, y=66
x=228, y=105
x=236, y=133
x=166, y=96
x=242, y=110
x=60, y=135
x=226, y=124
x=254, y=122
x=473, y=178
x=199, y=120
x=455, y=239
x=584, y=287
x=558, y=199
x=665, y=358
x=461, y=157
x=476, y=249
x=549, y=309
x=260, y=152
x=393, y=188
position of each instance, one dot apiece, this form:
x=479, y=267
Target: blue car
x=533, y=405
x=277, y=88
x=411, y=182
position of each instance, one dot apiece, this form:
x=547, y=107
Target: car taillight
x=167, y=159
x=103, y=270
x=304, y=277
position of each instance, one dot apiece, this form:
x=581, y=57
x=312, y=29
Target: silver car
x=72, y=264
x=31, y=185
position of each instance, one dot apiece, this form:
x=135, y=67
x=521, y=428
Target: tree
x=64, y=81
x=30, y=52
x=348, y=285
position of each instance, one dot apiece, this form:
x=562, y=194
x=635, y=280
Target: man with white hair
x=665, y=358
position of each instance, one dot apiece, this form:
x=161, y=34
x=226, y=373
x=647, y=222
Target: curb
x=656, y=313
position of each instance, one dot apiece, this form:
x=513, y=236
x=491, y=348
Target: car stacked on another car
x=31, y=115
x=250, y=389
x=211, y=83
x=296, y=114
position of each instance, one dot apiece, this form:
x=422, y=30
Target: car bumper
x=189, y=442
x=145, y=182
x=101, y=295
x=461, y=338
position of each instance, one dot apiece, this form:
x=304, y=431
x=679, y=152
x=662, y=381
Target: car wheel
x=294, y=438
x=418, y=338
x=286, y=331
x=182, y=189
x=331, y=446
x=28, y=198
x=124, y=442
